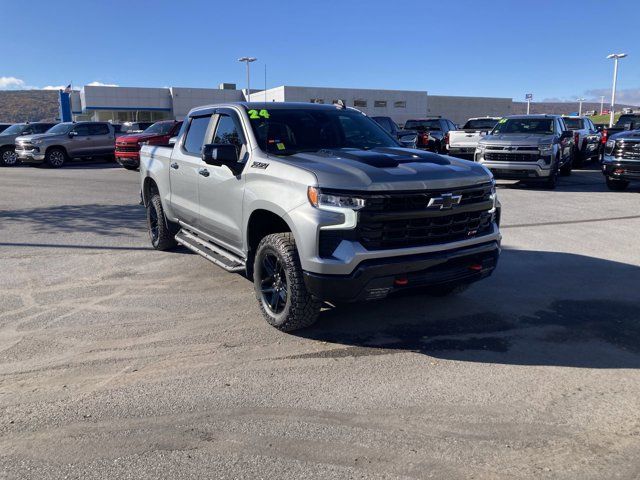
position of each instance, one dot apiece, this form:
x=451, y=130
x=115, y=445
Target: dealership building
x=121, y=104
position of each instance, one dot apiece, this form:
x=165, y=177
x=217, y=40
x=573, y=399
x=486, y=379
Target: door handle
x=204, y=172
x=175, y=166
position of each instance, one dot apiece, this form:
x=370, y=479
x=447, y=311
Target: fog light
x=401, y=282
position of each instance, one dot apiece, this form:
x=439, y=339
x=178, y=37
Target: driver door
x=221, y=192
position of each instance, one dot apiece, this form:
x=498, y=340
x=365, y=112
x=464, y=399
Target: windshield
x=480, y=124
x=573, y=123
x=290, y=131
x=160, y=128
x=61, y=128
x=537, y=126
x=422, y=125
x=623, y=120
x=14, y=129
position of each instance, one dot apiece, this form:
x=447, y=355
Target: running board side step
x=210, y=251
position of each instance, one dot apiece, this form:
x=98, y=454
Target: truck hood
x=508, y=139
x=40, y=136
x=138, y=137
x=627, y=134
x=388, y=169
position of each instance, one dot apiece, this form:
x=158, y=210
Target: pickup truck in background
x=433, y=132
x=67, y=141
x=318, y=203
x=629, y=121
x=621, y=159
x=531, y=148
x=463, y=142
x=586, y=139
x=408, y=138
x=128, y=146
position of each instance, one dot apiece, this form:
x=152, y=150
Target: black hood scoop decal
x=385, y=157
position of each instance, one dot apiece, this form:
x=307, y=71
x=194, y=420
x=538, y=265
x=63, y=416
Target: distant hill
x=561, y=108
x=28, y=105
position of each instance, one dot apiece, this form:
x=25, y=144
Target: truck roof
x=539, y=115
x=267, y=106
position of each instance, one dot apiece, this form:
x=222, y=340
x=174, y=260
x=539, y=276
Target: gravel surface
x=117, y=361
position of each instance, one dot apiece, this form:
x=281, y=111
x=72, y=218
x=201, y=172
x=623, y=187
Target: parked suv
x=66, y=141
x=318, y=203
x=529, y=148
x=128, y=146
x=407, y=138
x=586, y=139
x=621, y=160
x=433, y=132
x=8, y=137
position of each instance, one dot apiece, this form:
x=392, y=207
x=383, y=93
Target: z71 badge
x=261, y=165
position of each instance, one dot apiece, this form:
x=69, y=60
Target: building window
x=360, y=103
x=400, y=104
x=317, y=100
x=380, y=103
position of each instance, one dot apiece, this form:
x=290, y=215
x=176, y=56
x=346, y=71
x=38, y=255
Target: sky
x=553, y=49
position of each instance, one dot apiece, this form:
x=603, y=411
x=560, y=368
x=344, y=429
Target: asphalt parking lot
x=117, y=361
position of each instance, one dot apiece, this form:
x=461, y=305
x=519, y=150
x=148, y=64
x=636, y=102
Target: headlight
x=545, y=149
x=609, y=146
x=319, y=199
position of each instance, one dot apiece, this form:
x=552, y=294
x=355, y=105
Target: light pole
x=615, y=57
x=248, y=60
x=580, y=107
x=601, y=104
x=528, y=97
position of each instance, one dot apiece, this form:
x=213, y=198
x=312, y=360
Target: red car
x=128, y=146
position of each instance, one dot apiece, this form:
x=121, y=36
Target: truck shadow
x=539, y=308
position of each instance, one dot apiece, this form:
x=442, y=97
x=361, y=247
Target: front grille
x=128, y=148
x=627, y=150
x=402, y=219
x=24, y=146
x=511, y=157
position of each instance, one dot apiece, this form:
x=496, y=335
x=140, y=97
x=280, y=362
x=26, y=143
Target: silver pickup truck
x=318, y=203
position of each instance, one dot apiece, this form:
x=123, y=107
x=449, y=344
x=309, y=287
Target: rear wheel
x=8, y=157
x=162, y=238
x=55, y=157
x=617, y=184
x=280, y=289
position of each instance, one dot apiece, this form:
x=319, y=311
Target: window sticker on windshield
x=503, y=120
x=280, y=146
x=256, y=115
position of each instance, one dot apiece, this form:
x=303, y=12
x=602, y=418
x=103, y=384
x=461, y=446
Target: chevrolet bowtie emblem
x=445, y=201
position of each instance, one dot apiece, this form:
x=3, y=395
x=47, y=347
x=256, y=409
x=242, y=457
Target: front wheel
x=8, y=157
x=617, y=184
x=565, y=170
x=279, y=285
x=552, y=180
x=159, y=232
x=55, y=157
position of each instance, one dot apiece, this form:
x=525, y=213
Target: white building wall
x=130, y=98
x=184, y=99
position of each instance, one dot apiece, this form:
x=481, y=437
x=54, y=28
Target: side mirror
x=173, y=140
x=73, y=134
x=221, y=154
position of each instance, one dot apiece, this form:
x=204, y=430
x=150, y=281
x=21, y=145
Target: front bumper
x=32, y=155
x=128, y=159
x=516, y=170
x=619, y=168
x=377, y=278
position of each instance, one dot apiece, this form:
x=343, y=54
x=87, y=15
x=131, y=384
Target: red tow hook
x=476, y=267
x=401, y=282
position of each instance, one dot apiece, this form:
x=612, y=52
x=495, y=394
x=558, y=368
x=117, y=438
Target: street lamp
x=615, y=57
x=248, y=60
x=580, y=107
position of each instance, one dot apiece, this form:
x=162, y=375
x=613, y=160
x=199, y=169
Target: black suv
x=433, y=132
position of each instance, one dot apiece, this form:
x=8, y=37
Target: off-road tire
x=55, y=157
x=617, y=184
x=447, y=289
x=301, y=309
x=160, y=231
x=5, y=153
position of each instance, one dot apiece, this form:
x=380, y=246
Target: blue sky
x=554, y=49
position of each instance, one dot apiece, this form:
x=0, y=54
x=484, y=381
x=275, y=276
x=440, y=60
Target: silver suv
x=318, y=203
x=66, y=141
x=531, y=148
x=8, y=137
